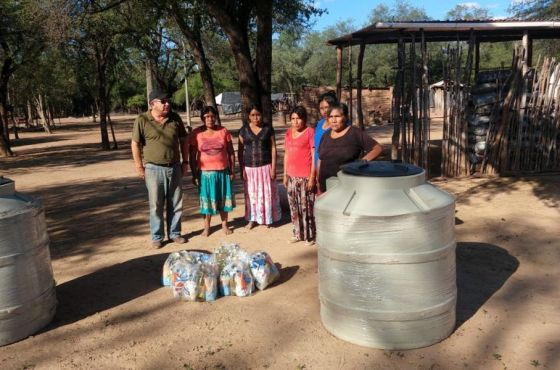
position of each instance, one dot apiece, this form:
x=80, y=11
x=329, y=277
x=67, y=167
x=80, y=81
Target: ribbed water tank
x=386, y=246
x=27, y=287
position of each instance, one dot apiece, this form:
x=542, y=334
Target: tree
x=467, y=12
x=102, y=35
x=318, y=54
x=401, y=11
x=191, y=20
x=248, y=25
x=20, y=41
x=535, y=9
x=379, y=60
x=288, y=61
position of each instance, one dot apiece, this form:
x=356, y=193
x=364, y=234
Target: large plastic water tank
x=386, y=246
x=27, y=287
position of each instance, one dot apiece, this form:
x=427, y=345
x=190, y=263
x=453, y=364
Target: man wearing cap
x=160, y=138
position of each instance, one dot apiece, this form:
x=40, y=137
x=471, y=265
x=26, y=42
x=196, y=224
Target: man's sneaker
x=157, y=244
x=179, y=240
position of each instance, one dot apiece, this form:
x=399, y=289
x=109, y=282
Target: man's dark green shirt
x=160, y=141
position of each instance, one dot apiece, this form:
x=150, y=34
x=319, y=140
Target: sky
x=359, y=10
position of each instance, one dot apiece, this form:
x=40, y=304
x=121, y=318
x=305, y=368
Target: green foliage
x=288, y=60
x=137, y=101
x=535, y=9
x=380, y=60
x=467, y=11
x=401, y=11
x=53, y=47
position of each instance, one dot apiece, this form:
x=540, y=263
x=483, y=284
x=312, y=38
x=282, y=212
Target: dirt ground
x=114, y=314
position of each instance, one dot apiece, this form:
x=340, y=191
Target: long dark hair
x=255, y=107
x=329, y=97
x=208, y=109
x=300, y=111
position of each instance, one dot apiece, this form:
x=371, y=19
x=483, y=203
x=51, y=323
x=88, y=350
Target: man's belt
x=170, y=164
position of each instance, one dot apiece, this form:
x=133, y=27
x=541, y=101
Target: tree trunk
x=14, y=122
x=5, y=150
x=115, y=145
x=50, y=111
x=40, y=107
x=193, y=37
x=264, y=56
x=149, y=80
x=102, y=98
x=234, y=23
x=29, y=116
x=94, y=112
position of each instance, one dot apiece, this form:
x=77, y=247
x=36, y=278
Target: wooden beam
x=525, y=43
x=359, y=87
x=350, y=82
x=339, y=72
x=476, y=58
x=425, y=106
x=397, y=111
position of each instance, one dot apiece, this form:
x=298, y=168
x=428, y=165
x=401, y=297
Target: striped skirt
x=262, y=204
x=301, y=203
x=216, y=192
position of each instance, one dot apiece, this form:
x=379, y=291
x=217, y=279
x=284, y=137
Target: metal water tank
x=386, y=246
x=27, y=287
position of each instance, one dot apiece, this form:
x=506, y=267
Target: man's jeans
x=164, y=188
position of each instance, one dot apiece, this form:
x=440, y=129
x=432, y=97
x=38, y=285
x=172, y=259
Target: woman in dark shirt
x=343, y=144
x=257, y=159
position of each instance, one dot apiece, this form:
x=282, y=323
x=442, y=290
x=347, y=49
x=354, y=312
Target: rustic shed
x=408, y=34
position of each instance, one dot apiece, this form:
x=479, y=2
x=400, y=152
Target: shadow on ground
x=482, y=269
x=107, y=288
x=82, y=216
x=35, y=140
x=115, y=285
x=75, y=155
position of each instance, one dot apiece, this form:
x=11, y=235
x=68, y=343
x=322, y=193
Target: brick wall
x=376, y=103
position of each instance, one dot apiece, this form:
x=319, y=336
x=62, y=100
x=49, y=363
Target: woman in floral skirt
x=257, y=159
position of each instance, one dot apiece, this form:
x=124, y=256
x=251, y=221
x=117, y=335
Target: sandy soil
x=113, y=313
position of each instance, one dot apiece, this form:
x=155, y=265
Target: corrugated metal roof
x=485, y=31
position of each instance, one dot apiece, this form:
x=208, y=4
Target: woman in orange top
x=212, y=163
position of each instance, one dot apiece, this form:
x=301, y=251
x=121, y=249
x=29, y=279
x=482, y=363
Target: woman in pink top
x=212, y=162
x=299, y=176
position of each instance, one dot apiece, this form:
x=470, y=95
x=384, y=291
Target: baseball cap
x=159, y=95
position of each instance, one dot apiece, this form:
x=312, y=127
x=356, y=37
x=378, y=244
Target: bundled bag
x=192, y=275
x=227, y=253
x=236, y=279
x=186, y=280
x=264, y=271
x=230, y=270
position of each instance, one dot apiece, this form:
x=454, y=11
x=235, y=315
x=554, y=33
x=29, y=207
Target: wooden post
x=445, y=134
x=339, y=72
x=476, y=59
x=525, y=56
x=416, y=149
x=397, y=96
x=359, y=87
x=523, y=104
x=425, y=103
x=529, y=52
x=350, y=82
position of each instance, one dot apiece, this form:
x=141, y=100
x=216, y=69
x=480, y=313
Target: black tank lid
x=380, y=169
